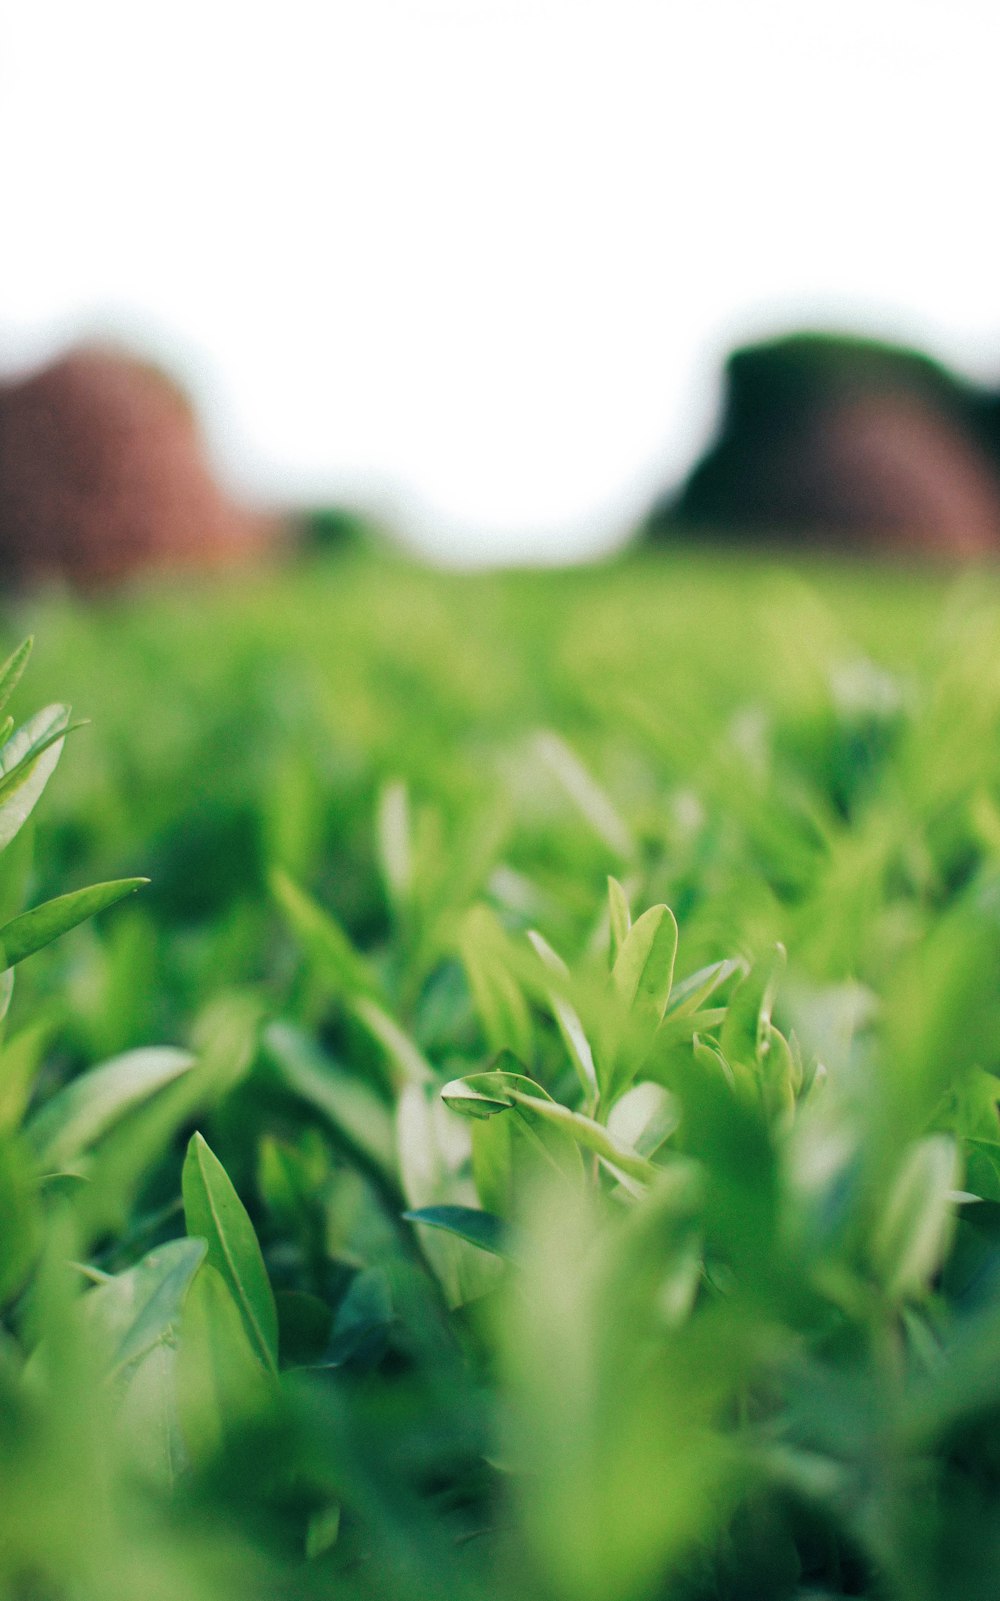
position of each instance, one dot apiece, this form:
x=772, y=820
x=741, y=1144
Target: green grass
x=536, y=1134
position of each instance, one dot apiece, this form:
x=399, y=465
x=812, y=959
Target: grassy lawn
x=536, y=1134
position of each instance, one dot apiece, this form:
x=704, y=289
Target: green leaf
x=691, y=993
x=574, y=1035
x=619, y=915
x=80, y=1113
x=219, y=1379
x=484, y=1229
x=405, y=1062
x=911, y=1236
x=434, y=1152
x=983, y=1168
x=22, y=1218
x=745, y=1032
x=356, y=1113
x=362, y=1321
x=12, y=669
x=19, y=1062
x=135, y=1311
x=644, y=1117
x=214, y=1212
x=484, y=1095
x=500, y=1002
x=593, y=803
x=27, y=761
x=323, y=1531
x=35, y=929
x=133, y=1321
x=644, y=969
x=395, y=844
x=323, y=939
x=18, y=769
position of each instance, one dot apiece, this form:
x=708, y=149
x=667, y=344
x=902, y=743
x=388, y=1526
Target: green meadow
x=534, y=1137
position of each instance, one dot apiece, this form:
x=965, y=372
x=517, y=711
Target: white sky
x=478, y=262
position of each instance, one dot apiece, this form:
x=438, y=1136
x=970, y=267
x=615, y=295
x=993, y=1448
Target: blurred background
x=473, y=272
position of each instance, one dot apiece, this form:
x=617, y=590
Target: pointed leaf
x=484, y=1229
x=214, y=1212
x=691, y=993
x=644, y=970
x=33, y=930
x=593, y=802
x=39, y=739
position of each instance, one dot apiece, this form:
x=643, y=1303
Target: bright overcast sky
x=477, y=261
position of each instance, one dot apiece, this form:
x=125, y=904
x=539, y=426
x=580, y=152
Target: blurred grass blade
x=395, y=844
x=619, y=916
x=499, y=998
x=593, y=802
x=919, y=1214
x=570, y=1027
x=79, y=1114
x=357, y=1115
x=12, y=669
x=322, y=938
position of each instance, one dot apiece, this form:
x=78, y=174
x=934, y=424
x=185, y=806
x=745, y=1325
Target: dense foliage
x=536, y=1135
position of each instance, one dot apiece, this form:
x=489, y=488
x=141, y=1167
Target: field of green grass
x=535, y=1136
